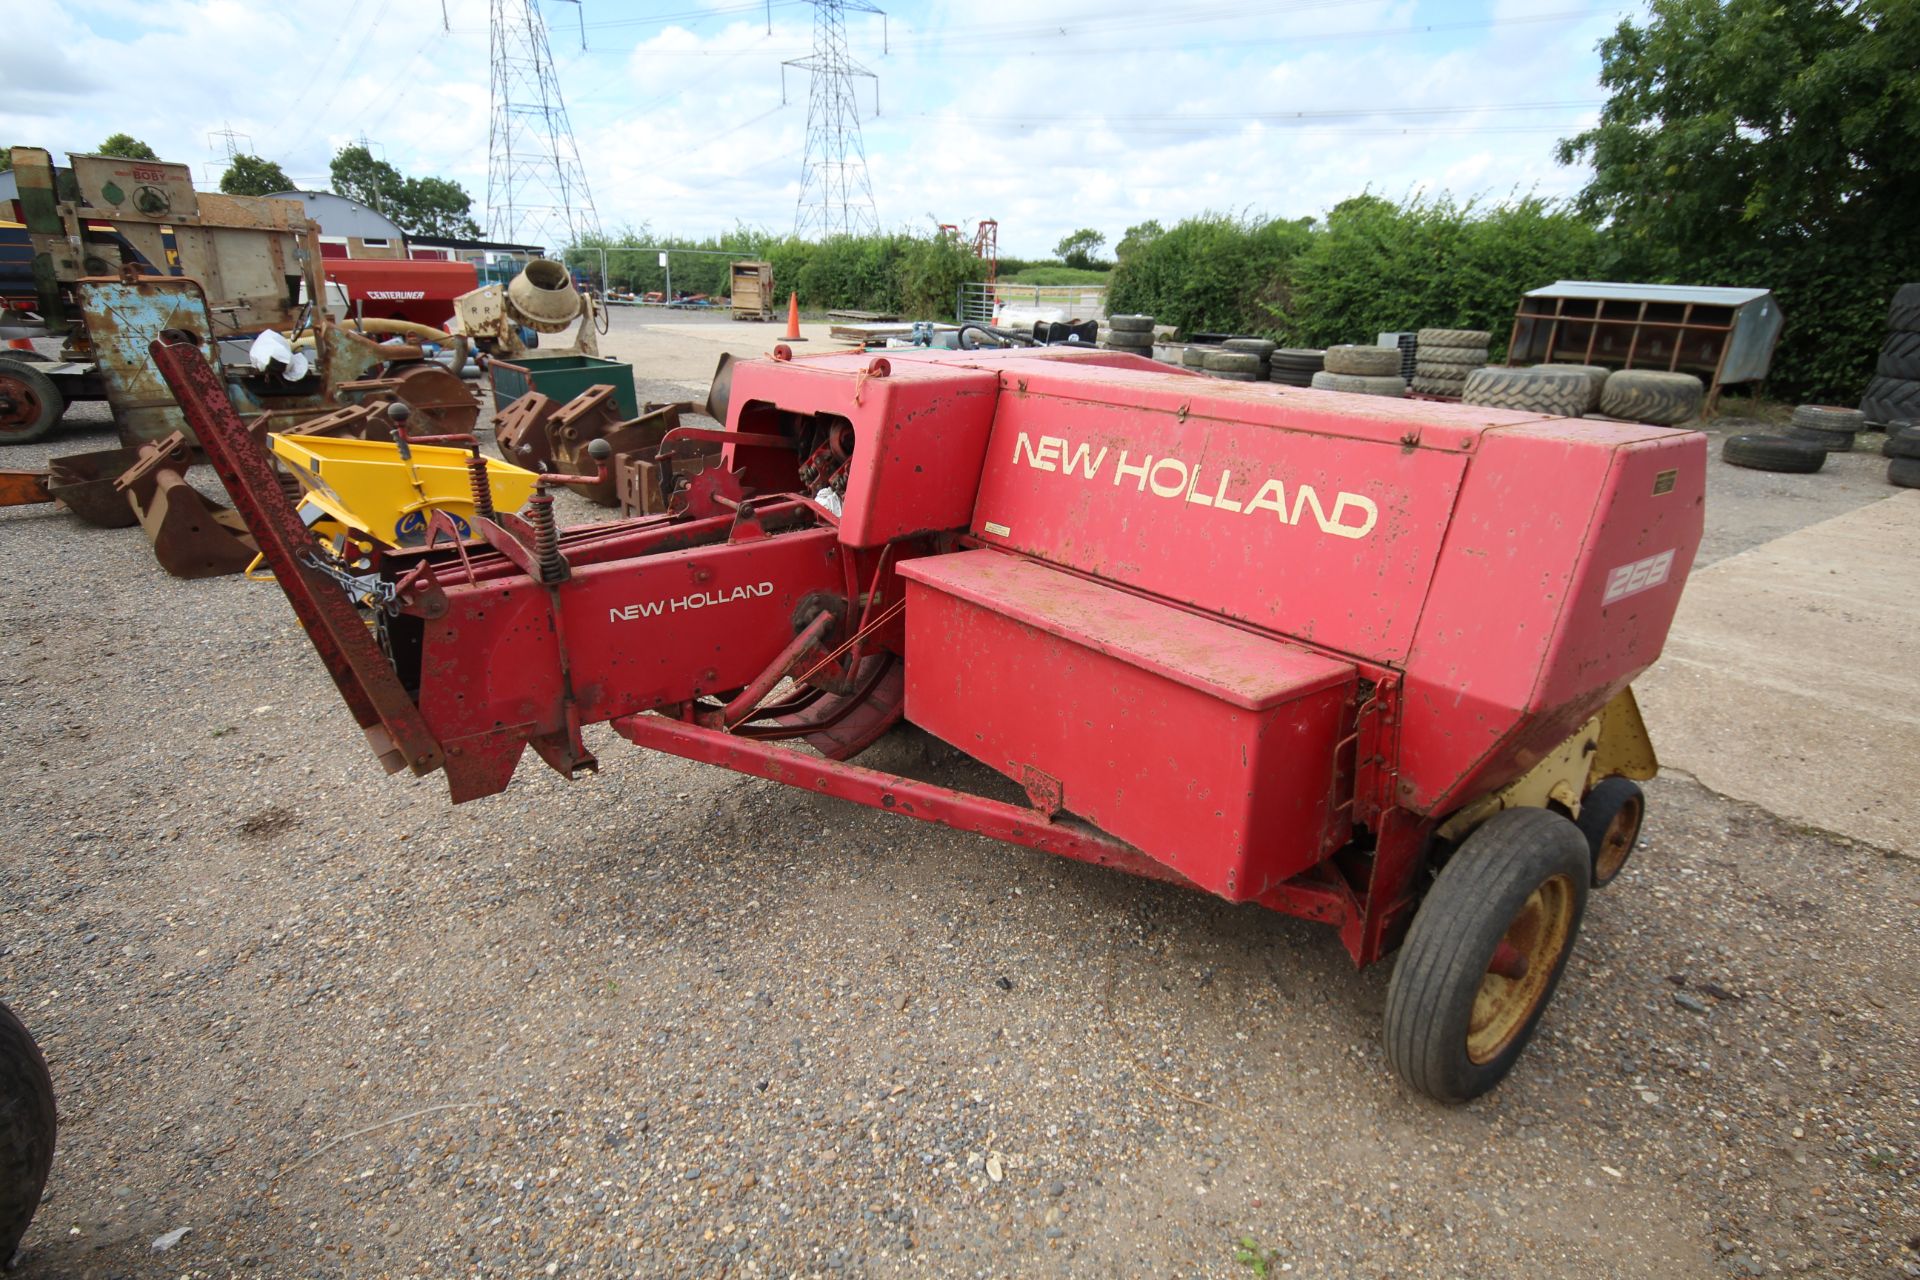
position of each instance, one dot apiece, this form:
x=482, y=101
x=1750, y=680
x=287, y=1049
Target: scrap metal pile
x=1360, y=660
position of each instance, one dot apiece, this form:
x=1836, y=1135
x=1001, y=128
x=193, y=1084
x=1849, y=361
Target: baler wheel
x=1610, y=819
x=1486, y=952
x=27, y=1130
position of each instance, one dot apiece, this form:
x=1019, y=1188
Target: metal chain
x=366, y=588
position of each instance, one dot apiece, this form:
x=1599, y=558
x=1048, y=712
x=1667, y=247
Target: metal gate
x=983, y=303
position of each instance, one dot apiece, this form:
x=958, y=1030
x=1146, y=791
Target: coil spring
x=482, y=486
x=546, y=539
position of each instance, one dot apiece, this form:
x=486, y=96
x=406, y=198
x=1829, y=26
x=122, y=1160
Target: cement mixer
x=541, y=299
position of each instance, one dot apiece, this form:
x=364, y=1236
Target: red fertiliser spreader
x=1355, y=659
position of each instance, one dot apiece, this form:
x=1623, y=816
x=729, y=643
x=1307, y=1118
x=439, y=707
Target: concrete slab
x=1789, y=679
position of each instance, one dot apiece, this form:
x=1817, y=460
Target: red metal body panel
x=403, y=288
x=922, y=430
x=1281, y=513
x=1212, y=750
x=1536, y=616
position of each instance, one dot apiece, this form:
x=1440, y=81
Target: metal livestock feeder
x=1364, y=661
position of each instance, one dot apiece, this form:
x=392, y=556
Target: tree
x=126, y=147
x=437, y=207
x=1077, y=249
x=1138, y=236
x=374, y=183
x=420, y=206
x=1768, y=142
x=252, y=176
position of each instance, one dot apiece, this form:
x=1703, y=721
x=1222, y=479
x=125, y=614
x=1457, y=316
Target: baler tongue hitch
x=1362, y=661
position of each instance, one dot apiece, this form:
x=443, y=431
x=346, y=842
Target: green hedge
x=912, y=274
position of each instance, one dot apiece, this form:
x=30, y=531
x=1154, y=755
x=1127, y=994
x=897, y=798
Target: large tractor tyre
x=1828, y=417
x=30, y=405
x=1558, y=391
x=1610, y=819
x=1900, y=357
x=1831, y=441
x=1647, y=395
x=1130, y=324
x=1773, y=453
x=1425, y=338
x=1354, y=384
x=1262, y=347
x=1904, y=472
x=1890, y=400
x=1486, y=952
x=1461, y=358
x=1428, y=386
x=27, y=1128
x=1363, y=362
x=1235, y=362
x=1596, y=374
x=1904, y=315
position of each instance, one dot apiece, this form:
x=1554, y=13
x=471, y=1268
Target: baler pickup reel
x=492, y=630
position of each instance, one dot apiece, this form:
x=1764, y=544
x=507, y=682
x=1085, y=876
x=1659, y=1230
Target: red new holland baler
x=1357, y=659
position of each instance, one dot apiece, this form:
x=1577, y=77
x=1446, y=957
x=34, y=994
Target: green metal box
x=561, y=378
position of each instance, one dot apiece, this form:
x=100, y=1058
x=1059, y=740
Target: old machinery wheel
x=1773, y=453
x=1486, y=952
x=27, y=1127
x=1610, y=819
x=30, y=405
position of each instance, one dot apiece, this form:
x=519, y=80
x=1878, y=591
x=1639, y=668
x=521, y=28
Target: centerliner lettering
x=1351, y=515
x=695, y=600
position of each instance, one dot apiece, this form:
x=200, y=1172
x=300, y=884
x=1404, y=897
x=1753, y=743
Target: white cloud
x=1078, y=113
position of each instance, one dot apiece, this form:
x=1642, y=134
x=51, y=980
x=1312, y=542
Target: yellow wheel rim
x=1521, y=968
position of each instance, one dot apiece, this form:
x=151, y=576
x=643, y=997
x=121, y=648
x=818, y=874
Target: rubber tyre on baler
x=1610, y=818
x=1453, y=1027
x=27, y=1129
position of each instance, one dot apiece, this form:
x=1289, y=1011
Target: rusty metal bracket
x=192, y=535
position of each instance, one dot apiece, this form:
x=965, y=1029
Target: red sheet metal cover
x=1214, y=750
x=1295, y=514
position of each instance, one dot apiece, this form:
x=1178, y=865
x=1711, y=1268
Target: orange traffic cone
x=793, y=319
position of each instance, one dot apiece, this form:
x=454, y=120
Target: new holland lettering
x=691, y=601
x=1349, y=515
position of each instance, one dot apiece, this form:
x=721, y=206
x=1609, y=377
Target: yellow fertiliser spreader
x=388, y=491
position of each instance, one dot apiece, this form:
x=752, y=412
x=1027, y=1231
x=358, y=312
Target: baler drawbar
x=1360, y=660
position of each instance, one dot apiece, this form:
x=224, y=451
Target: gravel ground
x=672, y=1021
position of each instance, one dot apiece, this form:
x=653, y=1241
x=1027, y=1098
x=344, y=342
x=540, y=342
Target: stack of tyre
x=1132, y=334
x=1814, y=431
x=1295, y=366
x=1902, y=451
x=1239, y=360
x=1361, y=370
x=1893, y=396
x=1442, y=359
